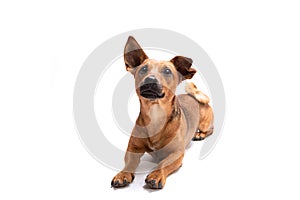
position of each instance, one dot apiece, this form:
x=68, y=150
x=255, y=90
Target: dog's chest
x=160, y=129
x=157, y=120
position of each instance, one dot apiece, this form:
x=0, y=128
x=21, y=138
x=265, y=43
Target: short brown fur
x=166, y=123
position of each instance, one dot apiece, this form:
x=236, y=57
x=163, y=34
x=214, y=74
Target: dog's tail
x=191, y=89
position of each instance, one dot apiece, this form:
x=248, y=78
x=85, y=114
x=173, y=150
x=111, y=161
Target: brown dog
x=166, y=123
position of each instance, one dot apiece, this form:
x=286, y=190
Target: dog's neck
x=154, y=115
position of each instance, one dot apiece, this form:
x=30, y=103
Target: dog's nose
x=150, y=79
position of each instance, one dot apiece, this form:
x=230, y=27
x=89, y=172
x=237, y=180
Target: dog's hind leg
x=205, y=127
x=199, y=135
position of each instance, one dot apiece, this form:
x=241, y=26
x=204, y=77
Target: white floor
x=191, y=158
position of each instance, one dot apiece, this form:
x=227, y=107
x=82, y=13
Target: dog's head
x=155, y=80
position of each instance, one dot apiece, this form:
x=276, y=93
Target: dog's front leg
x=157, y=178
x=132, y=160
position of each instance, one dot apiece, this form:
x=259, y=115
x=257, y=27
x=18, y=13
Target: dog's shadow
x=150, y=190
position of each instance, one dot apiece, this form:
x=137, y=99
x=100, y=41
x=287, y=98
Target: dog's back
x=191, y=109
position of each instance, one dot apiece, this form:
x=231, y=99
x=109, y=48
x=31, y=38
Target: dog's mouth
x=151, y=91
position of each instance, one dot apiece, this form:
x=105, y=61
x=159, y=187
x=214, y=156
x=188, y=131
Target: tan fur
x=165, y=125
x=191, y=89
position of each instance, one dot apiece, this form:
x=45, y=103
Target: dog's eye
x=167, y=71
x=144, y=69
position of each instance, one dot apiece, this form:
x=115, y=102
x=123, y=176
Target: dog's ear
x=133, y=54
x=183, y=66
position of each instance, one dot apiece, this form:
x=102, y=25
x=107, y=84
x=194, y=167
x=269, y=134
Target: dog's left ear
x=183, y=66
x=133, y=54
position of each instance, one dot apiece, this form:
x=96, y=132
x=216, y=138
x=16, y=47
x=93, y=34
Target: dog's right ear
x=133, y=54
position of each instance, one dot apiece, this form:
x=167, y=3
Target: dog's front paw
x=156, y=180
x=122, y=179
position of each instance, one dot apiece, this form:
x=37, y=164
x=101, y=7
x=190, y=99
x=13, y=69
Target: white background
x=254, y=44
